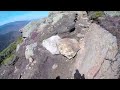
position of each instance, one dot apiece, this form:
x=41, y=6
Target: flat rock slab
x=51, y=44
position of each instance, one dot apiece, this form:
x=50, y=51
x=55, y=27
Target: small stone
x=54, y=66
x=34, y=61
x=32, y=64
x=29, y=67
x=80, y=35
x=3, y=72
x=15, y=70
x=30, y=60
x=18, y=46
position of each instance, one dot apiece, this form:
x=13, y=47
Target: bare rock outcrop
x=61, y=43
x=99, y=46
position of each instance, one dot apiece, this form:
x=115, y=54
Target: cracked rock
x=68, y=47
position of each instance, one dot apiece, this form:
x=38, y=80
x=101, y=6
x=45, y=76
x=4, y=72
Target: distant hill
x=10, y=32
x=8, y=38
x=12, y=26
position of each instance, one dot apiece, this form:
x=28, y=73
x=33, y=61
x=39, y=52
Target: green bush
x=8, y=59
x=19, y=40
x=96, y=14
x=8, y=53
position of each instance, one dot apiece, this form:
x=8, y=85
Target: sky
x=11, y=16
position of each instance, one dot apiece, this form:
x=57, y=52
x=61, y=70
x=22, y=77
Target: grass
x=19, y=40
x=8, y=54
x=7, y=60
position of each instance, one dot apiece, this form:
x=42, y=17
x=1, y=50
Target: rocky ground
x=64, y=43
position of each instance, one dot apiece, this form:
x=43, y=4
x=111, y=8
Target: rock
x=29, y=50
x=112, y=13
x=63, y=25
x=18, y=46
x=30, y=27
x=112, y=25
x=99, y=45
x=34, y=61
x=51, y=44
x=57, y=18
x=68, y=47
x=54, y=66
x=30, y=60
x=16, y=69
x=83, y=23
x=80, y=35
x=3, y=72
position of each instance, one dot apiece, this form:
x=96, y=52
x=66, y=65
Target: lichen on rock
x=68, y=47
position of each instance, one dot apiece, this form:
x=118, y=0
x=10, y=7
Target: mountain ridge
x=12, y=26
x=10, y=32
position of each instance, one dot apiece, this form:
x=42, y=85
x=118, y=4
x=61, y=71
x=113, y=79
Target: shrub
x=96, y=14
x=8, y=54
x=8, y=59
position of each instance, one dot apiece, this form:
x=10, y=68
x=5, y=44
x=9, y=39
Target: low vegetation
x=8, y=54
x=96, y=14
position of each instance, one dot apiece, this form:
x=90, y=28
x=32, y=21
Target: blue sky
x=11, y=16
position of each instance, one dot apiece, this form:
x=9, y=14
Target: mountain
x=12, y=26
x=8, y=38
x=66, y=45
x=10, y=32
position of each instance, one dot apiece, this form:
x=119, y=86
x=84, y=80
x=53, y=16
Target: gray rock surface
x=112, y=13
x=99, y=45
x=51, y=44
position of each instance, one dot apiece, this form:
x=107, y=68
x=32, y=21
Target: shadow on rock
x=77, y=75
x=58, y=77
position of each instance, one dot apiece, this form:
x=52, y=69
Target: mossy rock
x=95, y=14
